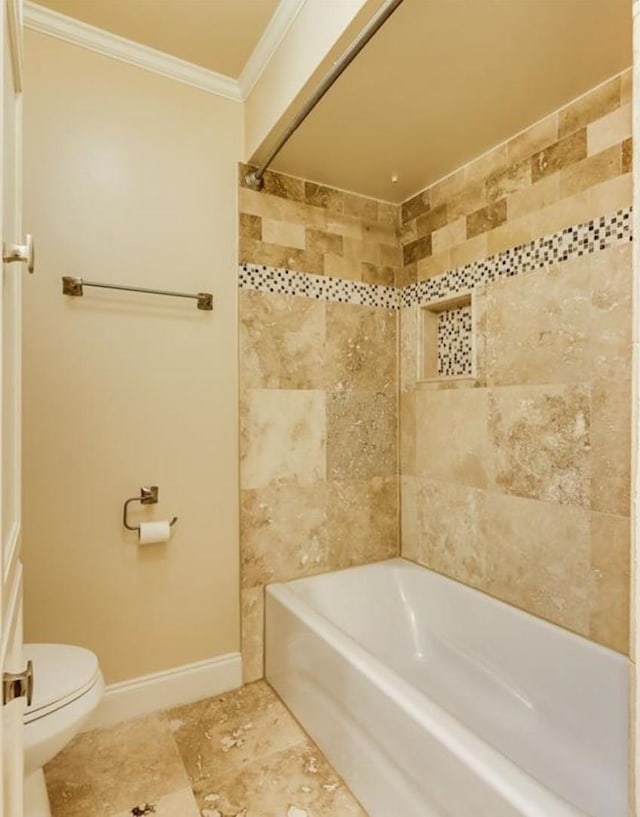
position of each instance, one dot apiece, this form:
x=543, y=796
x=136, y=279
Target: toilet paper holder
x=148, y=496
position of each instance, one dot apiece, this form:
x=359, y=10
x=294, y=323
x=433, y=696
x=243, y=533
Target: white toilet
x=68, y=685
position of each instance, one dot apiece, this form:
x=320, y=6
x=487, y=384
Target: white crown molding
x=103, y=42
x=283, y=17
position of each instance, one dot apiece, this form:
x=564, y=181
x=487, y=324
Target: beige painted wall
x=130, y=178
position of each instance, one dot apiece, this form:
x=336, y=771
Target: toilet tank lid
x=61, y=674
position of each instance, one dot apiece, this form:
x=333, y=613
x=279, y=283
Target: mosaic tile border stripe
x=320, y=287
x=610, y=230
x=607, y=231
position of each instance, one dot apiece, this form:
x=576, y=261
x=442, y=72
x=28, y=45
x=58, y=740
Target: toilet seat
x=62, y=673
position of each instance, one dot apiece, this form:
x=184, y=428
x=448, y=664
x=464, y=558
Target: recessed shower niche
x=447, y=341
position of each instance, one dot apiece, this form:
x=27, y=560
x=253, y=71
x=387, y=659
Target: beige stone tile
x=479, y=328
x=449, y=519
x=418, y=249
x=252, y=619
x=404, y=276
x=447, y=237
x=255, y=203
x=486, y=219
x=362, y=521
x=611, y=327
x=389, y=213
x=274, y=255
x=474, y=249
x=593, y=105
x=407, y=421
x=539, y=195
x=362, y=250
x=107, y=771
x=360, y=349
x=376, y=232
x=489, y=164
x=328, y=198
x=322, y=241
x=533, y=139
x=463, y=456
x=338, y=266
x=589, y=172
x=177, y=804
x=347, y=226
x=560, y=155
x=287, y=187
x=377, y=274
x=282, y=341
x=415, y=206
x=283, y=533
x=541, y=442
x=250, y=227
x=609, y=130
x=512, y=233
x=408, y=363
x=433, y=220
x=409, y=539
x=361, y=435
x=222, y=736
x=610, y=579
x=435, y=265
x=389, y=256
x=611, y=447
x=449, y=187
x=537, y=558
x=566, y=212
x=627, y=156
x=626, y=86
x=538, y=326
x=361, y=207
x=283, y=437
x=613, y=194
x=295, y=212
x=408, y=232
x=516, y=177
x=472, y=197
x=295, y=782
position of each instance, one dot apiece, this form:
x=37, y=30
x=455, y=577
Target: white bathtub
x=431, y=698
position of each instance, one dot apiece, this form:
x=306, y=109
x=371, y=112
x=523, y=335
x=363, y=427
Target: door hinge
x=18, y=685
x=24, y=253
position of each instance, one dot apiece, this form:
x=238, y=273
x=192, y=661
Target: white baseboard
x=163, y=690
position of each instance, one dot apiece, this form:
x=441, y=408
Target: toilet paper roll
x=152, y=532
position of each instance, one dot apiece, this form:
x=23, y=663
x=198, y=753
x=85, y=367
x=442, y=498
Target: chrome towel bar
x=74, y=286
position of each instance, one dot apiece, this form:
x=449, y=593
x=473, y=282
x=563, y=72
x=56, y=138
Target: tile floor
x=241, y=754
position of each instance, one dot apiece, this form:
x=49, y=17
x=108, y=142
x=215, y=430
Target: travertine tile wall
x=521, y=485
x=568, y=168
x=319, y=487
x=303, y=226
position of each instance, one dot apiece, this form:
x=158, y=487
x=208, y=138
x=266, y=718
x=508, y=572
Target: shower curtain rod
x=255, y=179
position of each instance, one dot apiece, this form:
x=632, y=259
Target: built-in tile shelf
x=446, y=337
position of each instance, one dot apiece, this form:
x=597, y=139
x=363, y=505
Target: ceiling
x=441, y=82
x=216, y=34
x=445, y=80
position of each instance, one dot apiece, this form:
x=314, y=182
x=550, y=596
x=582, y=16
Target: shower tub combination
x=432, y=699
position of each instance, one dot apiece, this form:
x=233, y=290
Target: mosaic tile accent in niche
x=454, y=342
x=320, y=287
x=582, y=239
x=607, y=231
